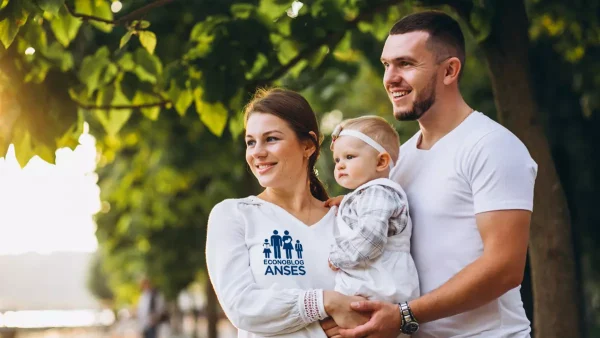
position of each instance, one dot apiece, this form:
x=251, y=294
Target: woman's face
x=274, y=153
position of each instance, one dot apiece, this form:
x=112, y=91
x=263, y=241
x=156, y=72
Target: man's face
x=411, y=74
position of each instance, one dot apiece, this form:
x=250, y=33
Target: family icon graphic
x=278, y=242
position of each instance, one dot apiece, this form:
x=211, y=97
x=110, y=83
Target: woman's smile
x=263, y=168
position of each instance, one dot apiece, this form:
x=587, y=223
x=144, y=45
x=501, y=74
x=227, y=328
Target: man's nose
x=391, y=75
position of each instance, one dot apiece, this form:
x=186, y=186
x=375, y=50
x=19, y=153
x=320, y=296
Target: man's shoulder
x=482, y=131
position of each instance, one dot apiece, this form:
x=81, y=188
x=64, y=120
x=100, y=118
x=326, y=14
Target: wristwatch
x=409, y=323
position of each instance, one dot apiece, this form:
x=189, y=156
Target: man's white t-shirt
x=479, y=166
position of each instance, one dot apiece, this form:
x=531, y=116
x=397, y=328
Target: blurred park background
x=120, y=126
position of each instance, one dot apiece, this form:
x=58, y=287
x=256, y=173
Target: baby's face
x=355, y=162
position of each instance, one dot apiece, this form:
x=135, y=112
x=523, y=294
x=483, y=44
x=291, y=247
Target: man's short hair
x=445, y=36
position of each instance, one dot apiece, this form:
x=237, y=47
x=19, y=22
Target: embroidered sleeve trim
x=312, y=307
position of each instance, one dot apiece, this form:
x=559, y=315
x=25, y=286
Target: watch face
x=411, y=328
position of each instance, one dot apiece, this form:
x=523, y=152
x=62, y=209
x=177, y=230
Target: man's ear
x=383, y=161
x=451, y=70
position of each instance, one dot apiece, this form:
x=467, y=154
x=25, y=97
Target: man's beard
x=421, y=105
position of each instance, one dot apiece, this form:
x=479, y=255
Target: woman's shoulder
x=232, y=210
x=231, y=204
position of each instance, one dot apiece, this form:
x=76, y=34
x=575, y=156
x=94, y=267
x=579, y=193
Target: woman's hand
x=334, y=201
x=338, y=308
x=332, y=267
x=330, y=327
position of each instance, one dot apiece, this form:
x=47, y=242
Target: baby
x=372, y=249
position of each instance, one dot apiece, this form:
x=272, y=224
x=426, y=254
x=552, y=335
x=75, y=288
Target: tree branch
x=122, y=21
x=331, y=39
x=161, y=104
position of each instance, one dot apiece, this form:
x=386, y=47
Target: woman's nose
x=259, y=151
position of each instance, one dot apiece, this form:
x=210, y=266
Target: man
x=151, y=308
x=469, y=183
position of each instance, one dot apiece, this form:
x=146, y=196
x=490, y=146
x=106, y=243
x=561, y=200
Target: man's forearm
x=476, y=285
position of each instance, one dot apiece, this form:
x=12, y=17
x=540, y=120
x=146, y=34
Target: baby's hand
x=332, y=267
x=334, y=201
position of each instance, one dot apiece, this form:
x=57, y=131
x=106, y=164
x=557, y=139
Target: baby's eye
x=349, y=157
x=336, y=160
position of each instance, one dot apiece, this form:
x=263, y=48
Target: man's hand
x=334, y=201
x=384, y=323
x=330, y=327
x=338, y=308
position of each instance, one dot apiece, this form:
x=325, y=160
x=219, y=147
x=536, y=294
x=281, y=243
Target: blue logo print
x=289, y=265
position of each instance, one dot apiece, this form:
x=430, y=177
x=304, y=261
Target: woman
x=283, y=294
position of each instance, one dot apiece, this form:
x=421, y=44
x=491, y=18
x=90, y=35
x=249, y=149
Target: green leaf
x=145, y=98
x=182, y=98
x=143, y=24
x=22, y=142
x=317, y=57
x=47, y=113
x=213, y=115
x=98, y=8
x=11, y=110
x=298, y=68
x=273, y=9
x=62, y=58
x=286, y=51
x=70, y=139
x=52, y=6
x=114, y=119
x=242, y=10
x=148, y=40
x=236, y=125
x=125, y=39
x=108, y=74
x=15, y=17
x=34, y=35
x=481, y=20
x=79, y=93
x=65, y=27
x=148, y=66
x=45, y=152
x=92, y=67
x=126, y=62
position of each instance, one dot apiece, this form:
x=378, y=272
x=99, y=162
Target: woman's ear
x=383, y=161
x=310, y=147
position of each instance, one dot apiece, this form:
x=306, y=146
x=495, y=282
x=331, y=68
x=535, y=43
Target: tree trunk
x=212, y=316
x=556, y=313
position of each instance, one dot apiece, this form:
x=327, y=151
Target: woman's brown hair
x=297, y=112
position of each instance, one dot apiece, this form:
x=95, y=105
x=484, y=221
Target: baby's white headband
x=337, y=132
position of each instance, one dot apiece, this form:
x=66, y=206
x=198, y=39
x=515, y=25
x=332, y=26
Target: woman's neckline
x=319, y=221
